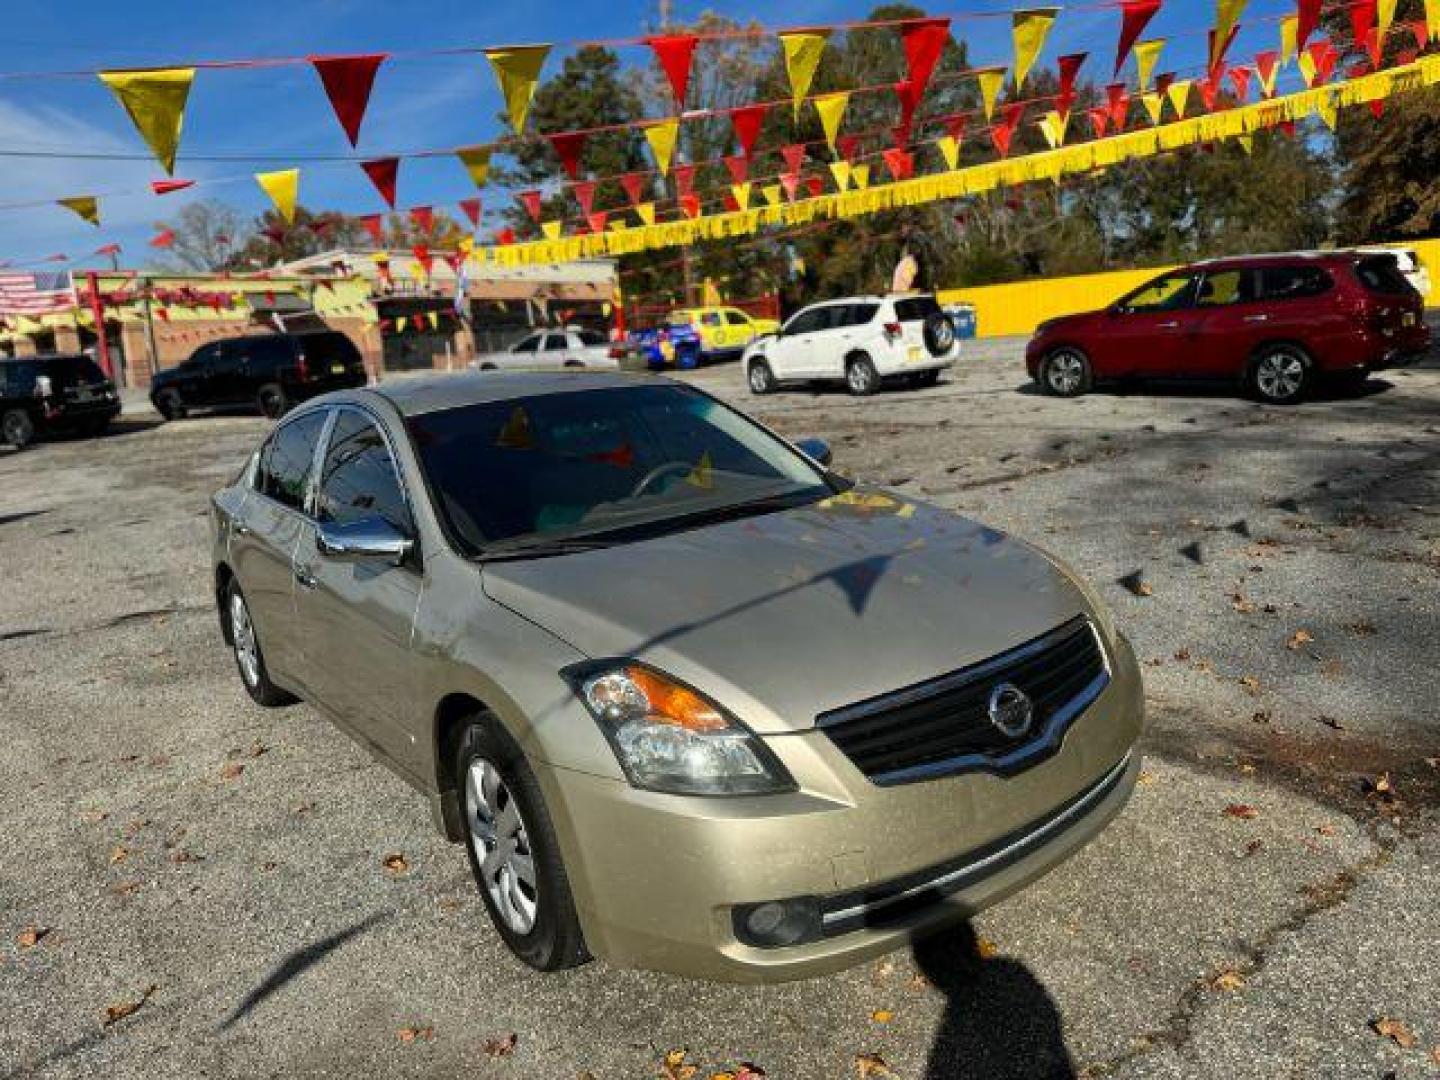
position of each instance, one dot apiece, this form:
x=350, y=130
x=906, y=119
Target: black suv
x=41, y=394
x=270, y=372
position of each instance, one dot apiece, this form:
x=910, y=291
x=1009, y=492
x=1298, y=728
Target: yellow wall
x=1018, y=307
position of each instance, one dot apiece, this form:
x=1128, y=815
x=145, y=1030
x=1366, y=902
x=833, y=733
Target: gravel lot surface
x=1259, y=910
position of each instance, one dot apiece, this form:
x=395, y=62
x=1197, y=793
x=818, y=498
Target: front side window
x=709, y=318
x=592, y=338
x=359, y=479
x=286, y=463
x=737, y=318
x=807, y=322
x=1169, y=293
x=530, y=344
x=568, y=465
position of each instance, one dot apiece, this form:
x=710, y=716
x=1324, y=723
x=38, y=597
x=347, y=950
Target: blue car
x=668, y=346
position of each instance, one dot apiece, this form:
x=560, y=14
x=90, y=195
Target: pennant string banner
x=155, y=102
x=348, y=81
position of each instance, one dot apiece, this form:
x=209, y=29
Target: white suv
x=861, y=341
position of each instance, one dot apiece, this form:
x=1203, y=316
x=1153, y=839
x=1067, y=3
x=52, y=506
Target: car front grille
x=943, y=727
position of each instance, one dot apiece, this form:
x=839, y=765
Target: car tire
x=96, y=429
x=1065, y=372
x=170, y=405
x=16, y=428
x=272, y=401
x=939, y=334
x=861, y=378
x=1281, y=374
x=488, y=367
x=760, y=377
x=507, y=831
x=249, y=658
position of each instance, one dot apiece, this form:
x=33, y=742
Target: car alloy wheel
x=1065, y=372
x=242, y=630
x=761, y=380
x=272, y=401
x=502, y=846
x=860, y=376
x=1280, y=375
x=16, y=428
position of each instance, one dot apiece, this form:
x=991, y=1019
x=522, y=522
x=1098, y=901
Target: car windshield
x=528, y=472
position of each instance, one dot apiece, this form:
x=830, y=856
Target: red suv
x=1273, y=323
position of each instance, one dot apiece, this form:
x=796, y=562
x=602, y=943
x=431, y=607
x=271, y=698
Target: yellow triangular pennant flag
x=401, y=323
x=1053, y=126
x=645, y=211
x=1306, y=63
x=1247, y=143
x=840, y=170
x=831, y=108
x=1268, y=83
x=772, y=194
x=1384, y=16
x=803, y=49
x=155, y=100
x=949, y=150
x=1432, y=18
x=87, y=206
x=860, y=176
x=741, y=194
x=1327, y=110
x=550, y=230
x=1154, y=105
x=1290, y=36
x=1147, y=55
x=992, y=81
x=1179, y=94
x=517, y=70
x=1227, y=14
x=703, y=475
x=476, y=160
x=283, y=187
x=434, y=319
x=662, y=136
x=1030, y=29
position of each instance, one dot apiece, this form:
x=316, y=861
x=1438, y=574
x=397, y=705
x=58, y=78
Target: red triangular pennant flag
x=634, y=184
x=794, y=156
x=675, y=53
x=691, y=205
x=347, y=81
x=847, y=146
x=471, y=209
x=383, y=173
x=1218, y=57
x=684, y=179
x=423, y=257
x=1240, y=79
x=505, y=237
x=1265, y=65
x=790, y=181
x=923, y=41
x=165, y=187
x=1210, y=89
x=746, y=121
x=568, y=146
x=908, y=94
x=1309, y=12
x=739, y=167
x=531, y=201
x=730, y=204
x=584, y=192
x=955, y=126
x=163, y=239
x=1069, y=69
x=1362, y=22
x=596, y=220
x=1377, y=108
x=1325, y=57
x=1118, y=99
x=371, y=224
x=1421, y=31
x=1135, y=15
x=1002, y=133
x=424, y=219
x=900, y=163
x=1100, y=120
x=815, y=185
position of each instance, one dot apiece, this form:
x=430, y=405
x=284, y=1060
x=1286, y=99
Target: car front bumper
x=658, y=879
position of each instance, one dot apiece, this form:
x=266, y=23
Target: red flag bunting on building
x=790, y=181
x=424, y=218
x=1069, y=66
x=1240, y=79
x=471, y=209
x=1117, y=99
x=1100, y=120
x=794, y=156
x=597, y=220
x=690, y=204
x=348, y=81
x=371, y=224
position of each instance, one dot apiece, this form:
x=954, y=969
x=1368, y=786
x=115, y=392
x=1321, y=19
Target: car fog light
x=778, y=923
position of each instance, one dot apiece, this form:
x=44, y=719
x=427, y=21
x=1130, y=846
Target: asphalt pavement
x=193, y=886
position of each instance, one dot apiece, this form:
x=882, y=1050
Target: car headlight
x=671, y=738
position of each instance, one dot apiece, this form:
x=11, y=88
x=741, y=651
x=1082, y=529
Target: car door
x=1230, y=321
x=556, y=351
x=271, y=525
x=1147, y=332
x=356, y=617
x=192, y=378
x=523, y=353
x=798, y=345
x=224, y=374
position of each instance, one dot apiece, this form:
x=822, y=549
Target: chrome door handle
x=305, y=578
x=239, y=528
x=1257, y=318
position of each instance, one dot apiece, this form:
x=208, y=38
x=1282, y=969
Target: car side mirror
x=817, y=450
x=363, y=540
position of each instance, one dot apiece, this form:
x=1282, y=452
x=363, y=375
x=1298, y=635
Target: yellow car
x=724, y=331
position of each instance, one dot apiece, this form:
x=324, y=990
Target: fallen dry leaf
x=119, y=854
x=1250, y=684
x=1326, y=829
x=502, y=1046
x=674, y=1066
x=748, y=1070
x=1261, y=717
x=1242, y=605
x=1435, y=1054
x=1299, y=639
x=1241, y=810
x=410, y=1034
x=986, y=949
x=395, y=863
x=1396, y=1030
x=117, y=1012
x=31, y=936
x=1227, y=981
x=1182, y=654
x=257, y=748
x=1145, y=779
x=232, y=770
x=882, y=1016
x=871, y=1065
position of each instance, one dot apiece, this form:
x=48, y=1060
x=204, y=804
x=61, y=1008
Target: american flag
x=36, y=294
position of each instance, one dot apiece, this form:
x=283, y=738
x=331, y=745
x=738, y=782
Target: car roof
x=435, y=393
x=1237, y=262
x=43, y=356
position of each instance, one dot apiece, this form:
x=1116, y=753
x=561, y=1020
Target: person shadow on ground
x=999, y=1022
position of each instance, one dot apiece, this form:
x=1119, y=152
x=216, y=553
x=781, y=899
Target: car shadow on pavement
x=298, y=962
x=1324, y=390
x=1000, y=1022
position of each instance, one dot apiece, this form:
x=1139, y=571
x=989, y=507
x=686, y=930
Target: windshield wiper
x=543, y=549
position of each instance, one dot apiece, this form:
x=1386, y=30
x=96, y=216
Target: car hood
x=787, y=615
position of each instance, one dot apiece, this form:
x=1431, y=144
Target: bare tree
x=206, y=234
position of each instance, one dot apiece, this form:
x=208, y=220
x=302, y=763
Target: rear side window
x=17, y=379
x=592, y=337
x=916, y=308
x=861, y=314
x=1381, y=274
x=329, y=348
x=1223, y=287
x=266, y=351
x=530, y=344
x=1293, y=282
x=286, y=464
x=70, y=371
x=709, y=318
x=360, y=480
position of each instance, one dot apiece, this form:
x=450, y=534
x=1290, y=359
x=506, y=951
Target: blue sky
x=271, y=114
